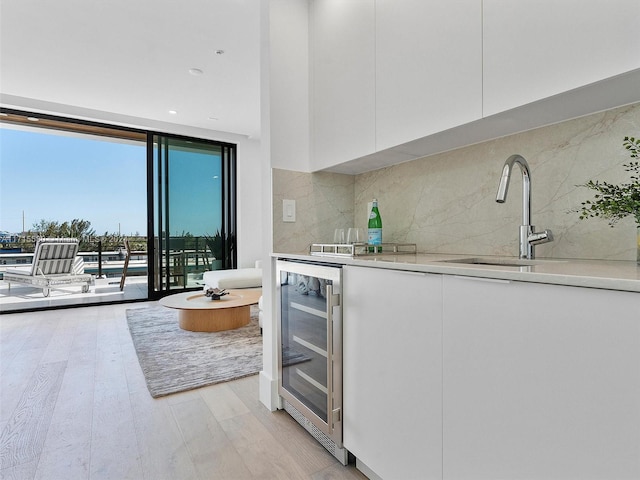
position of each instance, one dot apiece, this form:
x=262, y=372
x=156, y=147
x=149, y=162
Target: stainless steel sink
x=501, y=262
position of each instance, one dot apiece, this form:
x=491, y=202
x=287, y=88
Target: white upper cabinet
x=534, y=49
x=428, y=67
x=386, y=73
x=342, y=81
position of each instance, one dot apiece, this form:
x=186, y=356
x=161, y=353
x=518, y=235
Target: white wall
x=250, y=219
x=268, y=391
x=285, y=144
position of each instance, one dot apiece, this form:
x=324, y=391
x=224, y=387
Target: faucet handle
x=537, y=238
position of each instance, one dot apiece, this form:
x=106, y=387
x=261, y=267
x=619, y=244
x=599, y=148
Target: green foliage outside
x=76, y=228
x=219, y=248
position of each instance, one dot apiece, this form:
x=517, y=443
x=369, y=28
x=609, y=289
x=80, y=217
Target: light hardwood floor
x=74, y=405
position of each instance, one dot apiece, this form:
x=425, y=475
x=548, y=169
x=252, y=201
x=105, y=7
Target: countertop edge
x=600, y=274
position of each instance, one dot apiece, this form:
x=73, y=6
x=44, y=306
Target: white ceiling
x=132, y=58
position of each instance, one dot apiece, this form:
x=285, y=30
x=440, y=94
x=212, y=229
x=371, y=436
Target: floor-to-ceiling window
x=192, y=192
x=61, y=177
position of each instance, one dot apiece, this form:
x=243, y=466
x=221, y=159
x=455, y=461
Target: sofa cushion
x=238, y=278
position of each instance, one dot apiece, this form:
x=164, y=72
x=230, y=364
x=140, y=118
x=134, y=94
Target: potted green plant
x=615, y=202
x=221, y=248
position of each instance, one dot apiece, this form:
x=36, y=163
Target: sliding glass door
x=193, y=199
x=147, y=225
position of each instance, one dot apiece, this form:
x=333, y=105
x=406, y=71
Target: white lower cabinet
x=392, y=338
x=539, y=381
x=455, y=378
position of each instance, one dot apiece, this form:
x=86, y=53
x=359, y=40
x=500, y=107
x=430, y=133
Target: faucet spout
x=528, y=238
x=503, y=188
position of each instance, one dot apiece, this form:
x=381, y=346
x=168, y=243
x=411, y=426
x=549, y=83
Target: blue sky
x=195, y=192
x=56, y=177
x=59, y=178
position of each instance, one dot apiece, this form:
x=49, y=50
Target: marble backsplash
x=445, y=203
x=324, y=202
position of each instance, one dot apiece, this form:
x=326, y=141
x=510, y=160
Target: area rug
x=174, y=360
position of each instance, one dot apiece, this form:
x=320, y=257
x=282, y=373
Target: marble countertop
x=603, y=274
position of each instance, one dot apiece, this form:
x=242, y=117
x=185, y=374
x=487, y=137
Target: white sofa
x=237, y=278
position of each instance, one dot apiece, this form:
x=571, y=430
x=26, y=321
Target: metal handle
x=537, y=238
x=336, y=416
x=333, y=300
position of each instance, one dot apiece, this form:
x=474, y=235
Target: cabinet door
x=392, y=371
x=428, y=67
x=540, y=381
x=343, y=79
x=534, y=49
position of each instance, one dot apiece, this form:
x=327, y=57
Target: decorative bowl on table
x=215, y=293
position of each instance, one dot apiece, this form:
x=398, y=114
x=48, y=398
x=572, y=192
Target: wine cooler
x=310, y=349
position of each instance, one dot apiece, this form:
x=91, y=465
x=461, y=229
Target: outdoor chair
x=55, y=263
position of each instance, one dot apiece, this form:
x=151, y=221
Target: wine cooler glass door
x=308, y=352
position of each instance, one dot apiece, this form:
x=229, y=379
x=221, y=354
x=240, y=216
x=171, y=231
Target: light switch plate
x=288, y=210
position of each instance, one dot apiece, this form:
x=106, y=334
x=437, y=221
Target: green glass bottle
x=375, y=228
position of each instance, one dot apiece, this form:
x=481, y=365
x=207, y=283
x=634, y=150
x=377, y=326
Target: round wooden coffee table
x=199, y=313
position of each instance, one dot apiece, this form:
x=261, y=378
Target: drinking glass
x=355, y=235
x=338, y=236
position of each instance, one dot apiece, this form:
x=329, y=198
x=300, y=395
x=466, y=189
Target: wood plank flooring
x=74, y=405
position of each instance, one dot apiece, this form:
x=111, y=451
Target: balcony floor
x=21, y=297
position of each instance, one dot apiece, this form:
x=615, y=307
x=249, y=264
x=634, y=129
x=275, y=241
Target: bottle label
x=375, y=236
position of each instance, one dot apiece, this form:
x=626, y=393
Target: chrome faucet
x=528, y=238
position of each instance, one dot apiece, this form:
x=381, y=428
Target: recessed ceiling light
x=214, y=118
x=195, y=71
x=33, y=119
x=173, y=112
x=219, y=52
